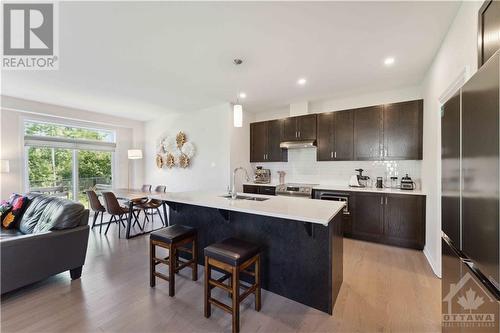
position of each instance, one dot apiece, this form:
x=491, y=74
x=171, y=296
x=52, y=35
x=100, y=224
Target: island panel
x=300, y=260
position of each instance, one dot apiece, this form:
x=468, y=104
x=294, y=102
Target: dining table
x=132, y=198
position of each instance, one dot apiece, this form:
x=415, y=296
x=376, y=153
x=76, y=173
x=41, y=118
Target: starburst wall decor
x=174, y=151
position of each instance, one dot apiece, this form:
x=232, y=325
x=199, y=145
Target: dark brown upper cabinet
x=335, y=136
x=368, y=133
x=299, y=128
x=402, y=129
x=325, y=140
x=389, y=132
x=489, y=25
x=344, y=135
x=375, y=133
x=265, y=138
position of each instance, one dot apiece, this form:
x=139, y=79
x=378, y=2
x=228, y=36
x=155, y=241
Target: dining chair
x=114, y=209
x=154, y=205
x=96, y=207
x=146, y=188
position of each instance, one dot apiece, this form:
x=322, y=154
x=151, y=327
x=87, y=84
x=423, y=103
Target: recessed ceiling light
x=301, y=81
x=243, y=95
x=389, y=61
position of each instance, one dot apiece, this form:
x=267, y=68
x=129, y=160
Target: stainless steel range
x=295, y=190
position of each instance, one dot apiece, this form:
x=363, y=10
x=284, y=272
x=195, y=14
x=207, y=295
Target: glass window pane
x=94, y=170
x=50, y=171
x=64, y=131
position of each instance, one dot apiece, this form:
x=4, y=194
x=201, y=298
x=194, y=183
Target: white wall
x=302, y=167
x=458, y=54
x=210, y=132
x=240, y=149
x=129, y=134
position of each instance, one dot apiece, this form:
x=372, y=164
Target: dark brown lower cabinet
x=367, y=216
x=259, y=189
x=394, y=219
x=404, y=220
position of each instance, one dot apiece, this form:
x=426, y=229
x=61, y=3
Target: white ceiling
x=139, y=60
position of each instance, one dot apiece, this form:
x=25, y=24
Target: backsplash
x=302, y=167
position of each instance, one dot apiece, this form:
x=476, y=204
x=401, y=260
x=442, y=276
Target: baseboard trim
x=432, y=263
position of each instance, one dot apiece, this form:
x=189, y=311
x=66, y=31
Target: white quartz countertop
x=261, y=184
x=345, y=188
x=299, y=209
x=367, y=189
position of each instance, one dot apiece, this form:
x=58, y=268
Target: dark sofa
x=51, y=238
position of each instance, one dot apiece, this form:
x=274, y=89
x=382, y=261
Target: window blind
x=67, y=143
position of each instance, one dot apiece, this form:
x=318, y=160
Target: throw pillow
x=60, y=214
x=12, y=218
x=5, y=206
x=33, y=213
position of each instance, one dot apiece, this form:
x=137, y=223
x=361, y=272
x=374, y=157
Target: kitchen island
x=301, y=239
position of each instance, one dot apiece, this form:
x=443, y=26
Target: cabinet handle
x=296, y=134
x=381, y=200
x=385, y=152
x=331, y=154
x=299, y=134
x=335, y=154
x=386, y=200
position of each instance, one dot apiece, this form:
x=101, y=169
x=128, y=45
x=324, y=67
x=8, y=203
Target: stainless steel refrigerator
x=470, y=138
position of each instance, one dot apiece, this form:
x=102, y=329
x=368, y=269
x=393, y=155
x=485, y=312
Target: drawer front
x=267, y=190
x=252, y=189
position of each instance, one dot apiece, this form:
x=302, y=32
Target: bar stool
x=233, y=256
x=173, y=238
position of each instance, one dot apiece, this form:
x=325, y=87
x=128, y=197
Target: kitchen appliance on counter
x=394, y=182
x=262, y=176
x=281, y=175
x=380, y=182
x=295, y=190
x=407, y=183
x=359, y=180
x=470, y=200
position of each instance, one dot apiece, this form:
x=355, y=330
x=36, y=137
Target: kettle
x=407, y=183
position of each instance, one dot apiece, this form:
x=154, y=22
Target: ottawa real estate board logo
x=468, y=305
x=30, y=36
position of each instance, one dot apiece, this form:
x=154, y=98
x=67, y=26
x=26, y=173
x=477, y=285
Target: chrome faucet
x=233, y=190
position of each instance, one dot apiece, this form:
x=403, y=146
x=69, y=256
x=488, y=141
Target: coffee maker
x=262, y=176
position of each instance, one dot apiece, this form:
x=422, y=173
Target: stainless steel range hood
x=298, y=144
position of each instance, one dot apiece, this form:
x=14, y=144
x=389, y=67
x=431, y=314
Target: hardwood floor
x=385, y=289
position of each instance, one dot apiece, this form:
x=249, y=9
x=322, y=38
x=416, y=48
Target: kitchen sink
x=244, y=197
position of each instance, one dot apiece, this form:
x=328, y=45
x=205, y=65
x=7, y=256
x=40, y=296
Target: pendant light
x=237, y=107
x=237, y=115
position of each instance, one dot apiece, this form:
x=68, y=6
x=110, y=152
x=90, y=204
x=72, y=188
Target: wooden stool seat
x=173, y=234
x=233, y=256
x=174, y=239
x=232, y=251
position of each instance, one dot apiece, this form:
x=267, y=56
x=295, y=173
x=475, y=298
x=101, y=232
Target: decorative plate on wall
x=174, y=151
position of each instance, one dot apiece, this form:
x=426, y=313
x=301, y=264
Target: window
x=62, y=131
x=65, y=160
